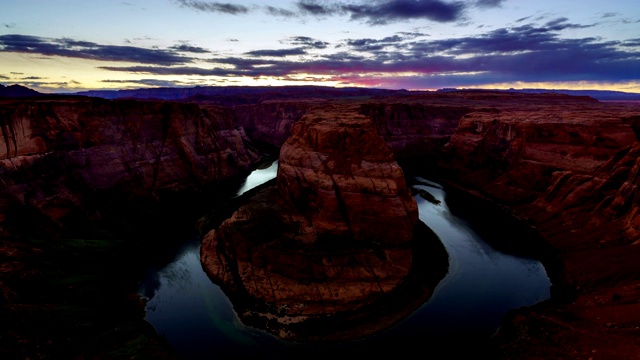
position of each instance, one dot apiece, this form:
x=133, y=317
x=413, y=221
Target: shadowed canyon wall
x=56, y=152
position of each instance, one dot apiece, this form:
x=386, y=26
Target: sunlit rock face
x=56, y=152
x=330, y=251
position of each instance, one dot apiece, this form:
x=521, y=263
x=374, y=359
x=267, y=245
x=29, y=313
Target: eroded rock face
x=572, y=169
x=328, y=253
x=78, y=146
x=270, y=122
x=340, y=174
x=415, y=127
x=512, y=154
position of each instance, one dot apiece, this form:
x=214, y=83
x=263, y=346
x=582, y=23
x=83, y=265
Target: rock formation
x=566, y=164
x=77, y=147
x=328, y=253
x=571, y=168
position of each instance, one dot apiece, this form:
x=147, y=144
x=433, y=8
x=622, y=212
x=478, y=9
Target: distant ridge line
x=253, y=93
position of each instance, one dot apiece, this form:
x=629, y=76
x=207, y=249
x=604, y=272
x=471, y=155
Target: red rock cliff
x=78, y=146
x=340, y=173
x=572, y=168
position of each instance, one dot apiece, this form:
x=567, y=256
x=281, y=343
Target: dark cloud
x=631, y=42
x=278, y=52
x=379, y=12
x=609, y=14
x=4, y=77
x=181, y=70
x=489, y=3
x=314, y=7
x=383, y=12
x=523, y=19
x=561, y=24
x=373, y=12
x=148, y=82
x=307, y=42
x=212, y=6
x=279, y=12
x=46, y=84
x=88, y=50
x=189, y=48
x=9, y=26
x=374, y=44
x=32, y=78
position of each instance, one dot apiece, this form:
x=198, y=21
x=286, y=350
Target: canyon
x=567, y=167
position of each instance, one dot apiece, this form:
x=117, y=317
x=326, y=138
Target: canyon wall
x=56, y=152
x=270, y=122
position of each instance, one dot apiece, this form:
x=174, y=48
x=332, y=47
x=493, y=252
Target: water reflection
x=482, y=284
x=195, y=316
x=259, y=177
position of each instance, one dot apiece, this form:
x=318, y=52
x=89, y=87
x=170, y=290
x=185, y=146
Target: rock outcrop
x=339, y=173
x=329, y=252
x=58, y=153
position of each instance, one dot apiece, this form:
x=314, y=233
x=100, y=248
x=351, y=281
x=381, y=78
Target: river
x=482, y=284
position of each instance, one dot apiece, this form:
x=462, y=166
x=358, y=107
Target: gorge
x=112, y=179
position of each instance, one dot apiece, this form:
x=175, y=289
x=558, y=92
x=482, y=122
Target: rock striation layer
x=327, y=253
x=78, y=147
x=570, y=167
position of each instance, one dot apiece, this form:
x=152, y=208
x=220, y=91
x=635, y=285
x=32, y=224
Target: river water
x=482, y=284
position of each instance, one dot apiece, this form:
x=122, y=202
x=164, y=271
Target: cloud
x=88, y=50
x=189, y=48
x=313, y=7
x=631, y=42
x=307, y=42
x=373, y=44
x=278, y=53
x=372, y=12
x=4, y=77
x=380, y=12
x=383, y=12
x=147, y=82
x=279, y=12
x=488, y=3
x=216, y=7
x=9, y=26
x=32, y=78
x=561, y=24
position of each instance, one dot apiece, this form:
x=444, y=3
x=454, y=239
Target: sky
x=75, y=45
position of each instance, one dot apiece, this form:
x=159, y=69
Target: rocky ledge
x=334, y=249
